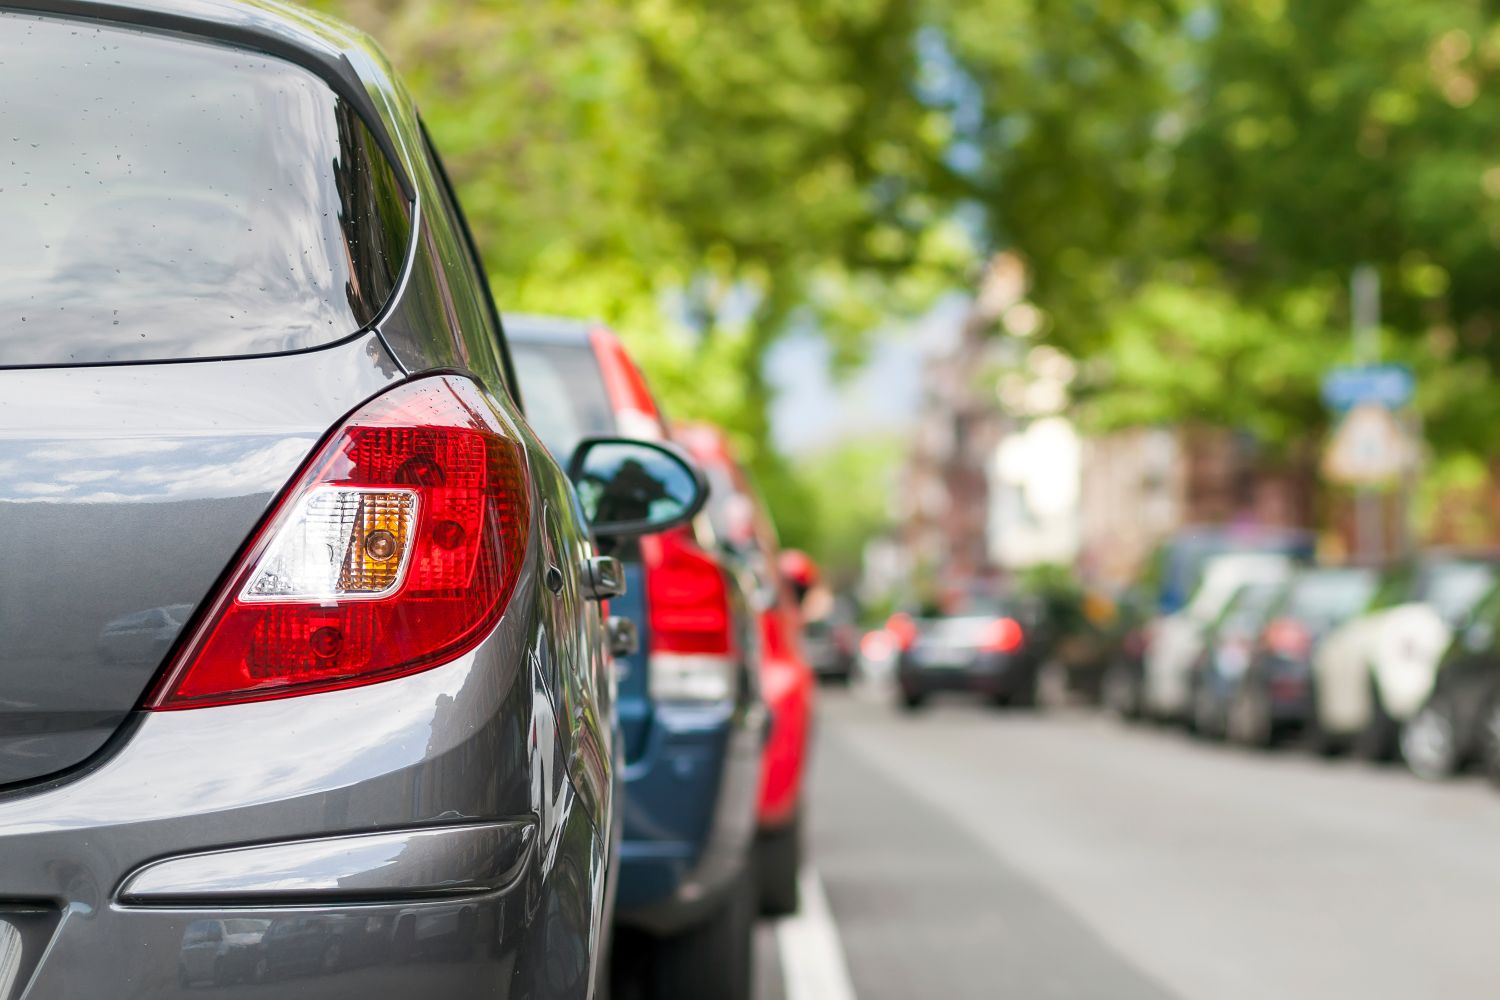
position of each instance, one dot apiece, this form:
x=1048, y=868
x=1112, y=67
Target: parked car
x=1229, y=646
x=1175, y=574
x=1459, y=723
x=689, y=696
x=987, y=644
x=1177, y=640
x=1274, y=695
x=249, y=363
x=745, y=534
x=1377, y=670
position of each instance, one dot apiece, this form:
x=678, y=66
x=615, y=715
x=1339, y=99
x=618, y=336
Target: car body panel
x=119, y=509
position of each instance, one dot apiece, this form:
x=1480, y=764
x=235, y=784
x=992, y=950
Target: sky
x=814, y=411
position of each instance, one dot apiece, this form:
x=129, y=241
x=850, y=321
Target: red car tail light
x=902, y=629
x=396, y=549
x=1287, y=637
x=1003, y=635
x=691, y=641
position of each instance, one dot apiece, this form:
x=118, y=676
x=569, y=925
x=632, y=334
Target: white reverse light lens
x=339, y=544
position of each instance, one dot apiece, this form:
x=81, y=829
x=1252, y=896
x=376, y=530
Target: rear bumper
x=831, y=662
x=401, y=840
x=689, y=813
x=1288, y=687
x=994, y=674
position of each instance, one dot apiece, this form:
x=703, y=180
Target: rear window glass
x=167, y=198
x=565, y=396
x=1454, y=588
x=1330, y=596
x=1251, y=605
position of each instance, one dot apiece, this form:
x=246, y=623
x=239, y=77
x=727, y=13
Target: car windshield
x=168, y=198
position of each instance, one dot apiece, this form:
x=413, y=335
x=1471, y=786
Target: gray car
x=303, y=677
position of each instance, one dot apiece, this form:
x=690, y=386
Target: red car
x=742, y=529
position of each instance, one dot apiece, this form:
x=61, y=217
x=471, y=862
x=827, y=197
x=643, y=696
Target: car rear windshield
x=1331, y=595
x=565, y=396
x=169, y=198
x=1454, y=588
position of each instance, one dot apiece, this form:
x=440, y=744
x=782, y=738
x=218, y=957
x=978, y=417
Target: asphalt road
x=967, y=852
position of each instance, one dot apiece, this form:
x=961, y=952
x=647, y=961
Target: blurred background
x=985, y=284
x=1023, y=315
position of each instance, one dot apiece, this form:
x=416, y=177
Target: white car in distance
x=1176, y=640
x=1375, y=671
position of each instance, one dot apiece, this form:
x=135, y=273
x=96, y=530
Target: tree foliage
x=1190, y=181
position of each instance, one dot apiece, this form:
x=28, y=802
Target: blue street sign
x=1389, y=386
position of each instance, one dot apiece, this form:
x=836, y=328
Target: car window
x=171, y=198
x=1250, y=606
x=1454, y=588
x=1327, y=597
x=565, y=396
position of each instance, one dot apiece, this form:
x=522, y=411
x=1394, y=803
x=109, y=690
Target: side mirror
x=631, y=488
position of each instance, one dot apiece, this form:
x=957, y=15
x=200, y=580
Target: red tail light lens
x=692, y=645
x=902, y=629
x=1287, y=637
x=1003, y=635
x=397, y=549
x=687, y=595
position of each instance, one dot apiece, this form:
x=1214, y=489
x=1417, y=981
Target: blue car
x=692, y=722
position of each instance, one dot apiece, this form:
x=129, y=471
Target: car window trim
x=507, y=367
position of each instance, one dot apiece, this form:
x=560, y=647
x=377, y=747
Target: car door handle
x=603, y=578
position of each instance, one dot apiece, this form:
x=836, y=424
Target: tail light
x=1287, y=637
x=1003, y=635
x=902, y=629
x=396, y=549
x=692, y=646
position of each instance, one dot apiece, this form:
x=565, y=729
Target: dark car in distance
x=1228, y=648
x=1273, y=698
x=301, y=619
x=992, y=646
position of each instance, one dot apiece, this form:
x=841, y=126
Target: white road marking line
x=812, y=959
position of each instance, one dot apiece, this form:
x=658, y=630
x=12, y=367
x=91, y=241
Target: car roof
x=347, y=59
x=531, y=329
